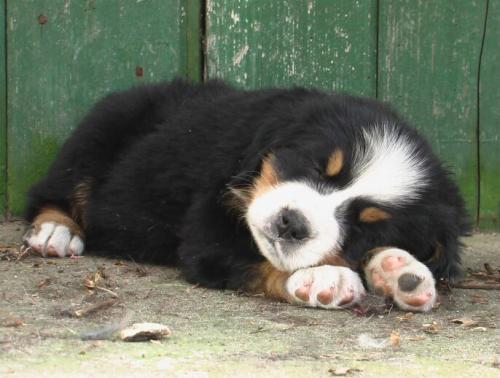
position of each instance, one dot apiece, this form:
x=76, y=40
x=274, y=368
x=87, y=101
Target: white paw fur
x=325, y=286
x=53, y=239
x=397, y=274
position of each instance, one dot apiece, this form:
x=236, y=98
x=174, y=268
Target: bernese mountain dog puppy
x=303, y=195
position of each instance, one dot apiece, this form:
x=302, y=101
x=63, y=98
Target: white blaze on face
x=386, y=170
x=316, y=208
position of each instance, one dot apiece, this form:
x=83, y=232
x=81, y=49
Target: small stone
x=145, y=332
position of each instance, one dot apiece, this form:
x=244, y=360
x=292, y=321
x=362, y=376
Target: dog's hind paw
x=396, y=274
x=53, y=239
x=325, y=286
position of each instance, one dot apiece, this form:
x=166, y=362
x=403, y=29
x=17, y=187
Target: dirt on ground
x=52, y=311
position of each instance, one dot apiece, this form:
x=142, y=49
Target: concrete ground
x=223, y=333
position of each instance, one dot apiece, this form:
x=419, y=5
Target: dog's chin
x=285, y=256
x=268, y=248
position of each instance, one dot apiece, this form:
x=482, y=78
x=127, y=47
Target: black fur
x=160, y=160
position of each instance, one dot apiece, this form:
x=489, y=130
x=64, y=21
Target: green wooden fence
x=436, y=61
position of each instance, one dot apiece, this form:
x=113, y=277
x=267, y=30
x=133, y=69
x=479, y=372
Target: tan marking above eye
x=267, y=179
x=240, y=198
x=335, y=163
x=373, y=214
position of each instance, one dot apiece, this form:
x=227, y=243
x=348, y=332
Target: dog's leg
x=396, y=274
x=54, y=233
x=324, y=286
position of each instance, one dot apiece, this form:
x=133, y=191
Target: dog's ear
x=257, y=175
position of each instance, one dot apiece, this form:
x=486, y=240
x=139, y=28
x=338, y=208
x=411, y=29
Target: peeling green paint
x=64, y=55
x=428, y=58
x=489, y=120
x=428, y=68
x=321, y=43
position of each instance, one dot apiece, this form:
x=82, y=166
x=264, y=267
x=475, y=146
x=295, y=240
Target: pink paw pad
x=379, y=284
x=303, y=292
x=418, y=300
x=396, y=274
x=325, y=286
x=326, y=296
x=347, y=298
x=391, y=263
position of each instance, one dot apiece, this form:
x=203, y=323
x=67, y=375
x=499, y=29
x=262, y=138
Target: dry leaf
x=482, y=329
x=406, y=317
x=394, y=339
x=91, y=280
x=12, y=322
x=342, y=371
x=466, y=322
x=430, y=327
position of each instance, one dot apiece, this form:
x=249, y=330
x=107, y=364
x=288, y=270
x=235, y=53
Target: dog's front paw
x=53, y=239
x=325, y=286
x=396, y=274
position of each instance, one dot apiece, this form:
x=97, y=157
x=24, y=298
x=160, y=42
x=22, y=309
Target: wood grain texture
x=320, y=43
x=63, y=55
x=193, y=46
x=3, y=115
x=428, y=68
x=489, y=120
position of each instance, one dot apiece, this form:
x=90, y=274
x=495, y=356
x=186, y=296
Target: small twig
x=70, y=330
x=90, y=309
x=107, y=291
x=476, y=285
x=23, y=252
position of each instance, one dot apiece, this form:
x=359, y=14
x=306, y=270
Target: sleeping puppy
x=289, y=192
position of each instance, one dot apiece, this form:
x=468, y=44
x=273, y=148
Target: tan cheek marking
x=270, y=281
x=373, y=214
x=335, y=163
x=56, y=215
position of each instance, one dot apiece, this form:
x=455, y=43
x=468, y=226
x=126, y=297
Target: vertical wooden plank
x=321, y=43
x=3, y=114
x=489, y=122
x=63, y=55
x=193, y=19
x=428, y=67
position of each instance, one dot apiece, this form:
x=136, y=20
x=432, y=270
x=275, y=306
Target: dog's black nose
x=291, y=225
